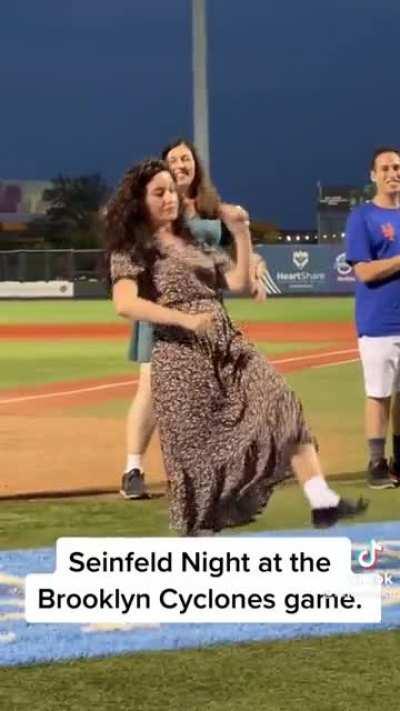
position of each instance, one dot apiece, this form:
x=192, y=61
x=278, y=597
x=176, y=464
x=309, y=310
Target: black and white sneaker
x=394, y=472
x=378, y=475
x=324, y=518
x=133, y=485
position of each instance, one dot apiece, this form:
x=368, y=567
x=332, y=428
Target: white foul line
x=124, y=383
x=315, y=355
x=338, y=362
x=61, y=393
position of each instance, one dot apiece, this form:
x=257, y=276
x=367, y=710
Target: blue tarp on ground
x=22, y=643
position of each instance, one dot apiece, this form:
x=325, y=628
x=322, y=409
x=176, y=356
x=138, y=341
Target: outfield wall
x=302, y=270
x=292, y=270
x=53, y=273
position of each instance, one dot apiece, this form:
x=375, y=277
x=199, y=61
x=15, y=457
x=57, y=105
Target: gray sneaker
x=133, y=485
x=378, y=475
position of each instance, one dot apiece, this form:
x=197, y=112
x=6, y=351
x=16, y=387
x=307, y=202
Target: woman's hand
x=233, y=216
x=200, y=324
x=258, y=270
x=258, y=266
x=258, y=291
x=236, y=219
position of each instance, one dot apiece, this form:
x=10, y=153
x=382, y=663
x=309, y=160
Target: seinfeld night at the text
x=196, y=562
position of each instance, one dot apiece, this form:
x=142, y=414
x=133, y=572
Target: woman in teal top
x=204, y=216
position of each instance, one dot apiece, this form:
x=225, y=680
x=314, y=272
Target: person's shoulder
x=362, y=210
x=119, y=257
x=358, y=216
x=120, y=254
x=123, y=266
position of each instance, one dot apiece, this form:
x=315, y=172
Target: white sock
x=318, y=493
x=134, y=461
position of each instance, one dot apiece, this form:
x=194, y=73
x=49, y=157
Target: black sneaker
x=394, y=472
x=133, y=486
x=378, y=475
x=324, y=518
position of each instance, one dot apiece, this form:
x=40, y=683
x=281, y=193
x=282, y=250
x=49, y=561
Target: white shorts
x=380, y=358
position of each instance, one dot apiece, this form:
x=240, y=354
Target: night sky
x=298, y=92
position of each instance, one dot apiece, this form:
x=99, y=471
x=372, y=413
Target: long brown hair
x=202, y=190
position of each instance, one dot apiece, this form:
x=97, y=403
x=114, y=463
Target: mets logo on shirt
x=388, y=231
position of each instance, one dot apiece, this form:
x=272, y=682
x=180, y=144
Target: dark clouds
x=299, y=92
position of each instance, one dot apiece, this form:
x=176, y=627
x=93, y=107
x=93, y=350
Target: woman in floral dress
x=230, y=427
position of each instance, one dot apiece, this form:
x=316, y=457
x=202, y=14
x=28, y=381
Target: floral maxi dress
x=228, y=422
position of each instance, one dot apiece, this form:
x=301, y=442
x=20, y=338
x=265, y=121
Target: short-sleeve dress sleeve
x=122, y=267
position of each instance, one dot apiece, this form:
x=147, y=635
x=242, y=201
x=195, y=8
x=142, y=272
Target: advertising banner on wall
x=36, y=289
x=303, y=269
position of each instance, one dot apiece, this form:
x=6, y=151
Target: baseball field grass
x=331, y=674
x=29, y=363
x=36, y=524
x=292, y=310
x=341, y=673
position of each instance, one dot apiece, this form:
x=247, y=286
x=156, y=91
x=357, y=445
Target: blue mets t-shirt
x=373, y=233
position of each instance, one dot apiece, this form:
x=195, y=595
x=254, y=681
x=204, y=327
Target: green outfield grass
x=293, y=310
x=25, y=363
x=333, y=401
x=290, y=310
x=326, y=674
x=32, y=363
x=343, y=673
x=33, y=524
x=274, y=349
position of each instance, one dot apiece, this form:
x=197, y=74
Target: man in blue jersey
x=373, y=248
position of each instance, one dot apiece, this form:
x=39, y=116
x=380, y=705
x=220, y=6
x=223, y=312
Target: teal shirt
x=205, y=231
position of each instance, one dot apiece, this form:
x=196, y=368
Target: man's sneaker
x=133, y=486
x=324, y=518
x=394, y=471
x=378, y=475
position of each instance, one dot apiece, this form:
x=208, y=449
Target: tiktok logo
x=368, y=557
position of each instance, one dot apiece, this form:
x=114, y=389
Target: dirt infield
x=317, y=331
x=46, y=447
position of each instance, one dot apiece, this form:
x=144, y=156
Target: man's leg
x=378, y=362
x=395, y=461
x=377, y=413
x=139, y=429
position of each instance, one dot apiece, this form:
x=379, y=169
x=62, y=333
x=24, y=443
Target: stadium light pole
x=200, y=89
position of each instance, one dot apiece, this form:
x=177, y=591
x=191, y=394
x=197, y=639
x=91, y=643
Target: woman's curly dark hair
x=126, y=219
x=202, y=189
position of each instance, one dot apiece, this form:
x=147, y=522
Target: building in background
x=21, y=201
x=268, y=233
x=333, y=206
